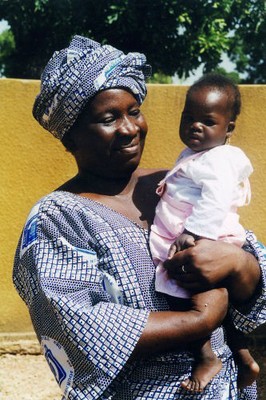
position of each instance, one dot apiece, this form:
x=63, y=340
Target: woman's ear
x=69, y=143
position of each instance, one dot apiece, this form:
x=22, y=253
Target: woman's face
x=109, y=136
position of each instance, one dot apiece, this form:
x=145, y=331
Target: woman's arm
x=212, y=264
x=167, y=330
x=244, y=279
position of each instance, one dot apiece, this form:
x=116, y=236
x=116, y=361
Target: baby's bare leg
x=248, y=368
x=207, y=365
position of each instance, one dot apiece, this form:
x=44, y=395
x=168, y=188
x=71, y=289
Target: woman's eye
x=135, y=112
x=107, y=120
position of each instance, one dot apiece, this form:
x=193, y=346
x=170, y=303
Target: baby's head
x=211, y=109
x=222, y=84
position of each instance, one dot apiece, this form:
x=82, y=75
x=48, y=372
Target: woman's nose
x=128, y=127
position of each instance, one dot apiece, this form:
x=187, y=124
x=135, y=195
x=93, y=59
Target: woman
x=83, y=264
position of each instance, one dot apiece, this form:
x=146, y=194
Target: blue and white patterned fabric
x=86, y=275
x=75, y=74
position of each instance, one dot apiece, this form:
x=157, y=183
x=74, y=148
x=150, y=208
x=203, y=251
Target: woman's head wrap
x=76, y=74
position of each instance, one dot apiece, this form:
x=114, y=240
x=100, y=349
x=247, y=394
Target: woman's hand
x=211, y=264
x=167, y=330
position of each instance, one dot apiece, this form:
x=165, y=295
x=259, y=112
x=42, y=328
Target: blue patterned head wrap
x=76, y=74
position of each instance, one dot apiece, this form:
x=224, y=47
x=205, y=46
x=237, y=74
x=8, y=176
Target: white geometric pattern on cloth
x=69, y=304
x=74, y=75
x=59, y=363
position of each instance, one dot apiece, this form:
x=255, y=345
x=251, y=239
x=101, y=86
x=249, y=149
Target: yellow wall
x=33, y=163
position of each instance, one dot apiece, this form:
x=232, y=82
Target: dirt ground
x=28, y=377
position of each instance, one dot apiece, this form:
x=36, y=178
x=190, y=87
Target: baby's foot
x=202, y=373
x=248, y=369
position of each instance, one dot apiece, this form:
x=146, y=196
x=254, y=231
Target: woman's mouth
x=131, y=148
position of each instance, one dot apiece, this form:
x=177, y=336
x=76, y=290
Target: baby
x=199, y=199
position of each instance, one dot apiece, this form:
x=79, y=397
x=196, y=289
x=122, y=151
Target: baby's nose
x=196, y=126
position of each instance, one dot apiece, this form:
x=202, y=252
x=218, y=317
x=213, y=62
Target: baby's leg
x=248, y=368
x=207, y=365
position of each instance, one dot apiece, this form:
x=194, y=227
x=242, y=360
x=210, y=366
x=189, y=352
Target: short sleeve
x=61, y=273
x=250, y=316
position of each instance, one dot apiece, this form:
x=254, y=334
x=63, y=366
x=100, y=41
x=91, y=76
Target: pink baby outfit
x=200, y=194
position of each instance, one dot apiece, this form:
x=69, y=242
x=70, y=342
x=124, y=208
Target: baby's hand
x=183, y=241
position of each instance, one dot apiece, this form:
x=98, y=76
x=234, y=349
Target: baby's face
x=205, y=121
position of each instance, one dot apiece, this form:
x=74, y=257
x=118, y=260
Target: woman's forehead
x=110, y=98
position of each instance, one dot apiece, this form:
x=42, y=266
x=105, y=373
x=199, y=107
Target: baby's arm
x=220, y=173
x=183, y=241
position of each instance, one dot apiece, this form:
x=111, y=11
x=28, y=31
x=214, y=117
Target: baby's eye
x=209, y=122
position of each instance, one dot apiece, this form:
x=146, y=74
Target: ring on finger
x=183, y=269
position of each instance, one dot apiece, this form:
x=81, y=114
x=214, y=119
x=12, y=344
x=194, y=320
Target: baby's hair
x=223, y=84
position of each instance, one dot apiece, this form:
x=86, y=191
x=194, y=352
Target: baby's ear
x=230, y=128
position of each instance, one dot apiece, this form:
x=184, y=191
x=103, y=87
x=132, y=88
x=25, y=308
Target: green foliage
x=160, y=77
x=232, y=75
x=176, y=35
x=7, y=47
x=248, y=45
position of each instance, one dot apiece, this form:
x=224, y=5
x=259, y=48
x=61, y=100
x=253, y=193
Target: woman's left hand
x=211, y=264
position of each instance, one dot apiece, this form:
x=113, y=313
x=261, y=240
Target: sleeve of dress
x=253, y=314
x=72, y=301
x=218, y=172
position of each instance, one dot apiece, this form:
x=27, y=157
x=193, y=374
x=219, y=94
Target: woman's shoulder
x=51, y=203
x=150, y=178
x=151, y=173
x=57, y=196
x=144, y=195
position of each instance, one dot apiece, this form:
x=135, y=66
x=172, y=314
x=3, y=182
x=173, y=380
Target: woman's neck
x=84, y=183
x=133, y=196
